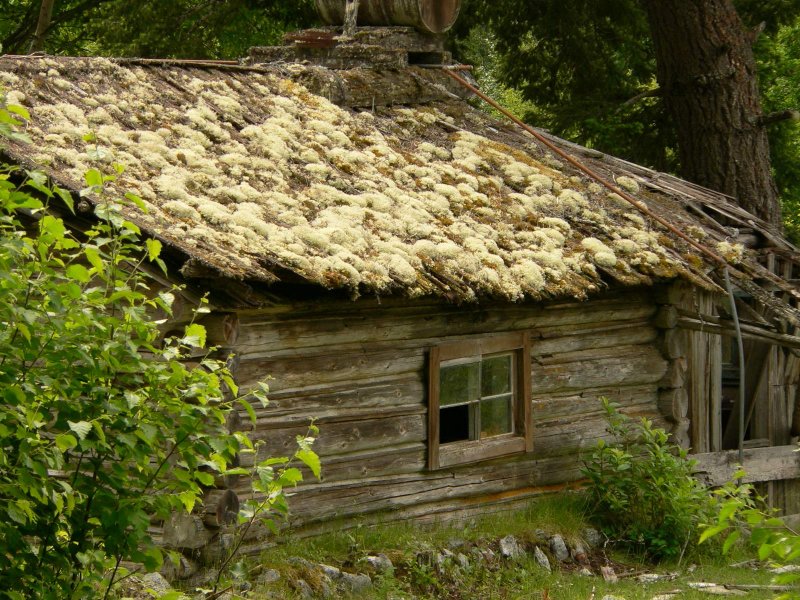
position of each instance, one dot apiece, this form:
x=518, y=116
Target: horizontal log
x=675, y=377
x=673, y=344
x=402, y=493
x=185, y=531
x=346, y=436
x=760, y=464
x=287, y=336
x=318, y=372
x=727, y=328
x=673, y=404
x=548, y=407
x=405, y=391
x=633, y=365
x=604, y=335
x=666, y=318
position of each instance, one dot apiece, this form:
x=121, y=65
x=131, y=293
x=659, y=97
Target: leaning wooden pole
x=45, y=18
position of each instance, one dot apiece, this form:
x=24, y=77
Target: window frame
x=469, y=451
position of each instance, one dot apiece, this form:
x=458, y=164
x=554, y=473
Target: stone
x=443, y=557
x=296, y=561
x=462, y=560
x=355, y=583
x=381, y=563
x=612, y=597
x=303, y=588
x=510, y=548
x=586, y=572
x=559, y=548
x=579, y=555
x=593, y=538
x=785, y=569
x=608, y=574
x=156, y=582
x=666, y=596
x=456, y=543
x=269, y=576
x=541, y=559
x=331, y=572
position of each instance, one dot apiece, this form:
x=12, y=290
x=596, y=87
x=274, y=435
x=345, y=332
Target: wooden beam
x=761, y=464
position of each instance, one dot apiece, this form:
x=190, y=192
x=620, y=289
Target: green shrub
x=641, y=488
x=102, y=427
x=743, y=516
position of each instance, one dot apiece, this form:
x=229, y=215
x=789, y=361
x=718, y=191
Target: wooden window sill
x=458, y=453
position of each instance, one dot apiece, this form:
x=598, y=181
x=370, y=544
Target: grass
x=413, y=548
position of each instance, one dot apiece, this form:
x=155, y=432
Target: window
x=479, y=400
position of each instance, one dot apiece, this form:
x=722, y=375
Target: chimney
x=387, y=35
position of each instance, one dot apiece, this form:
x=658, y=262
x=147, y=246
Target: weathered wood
x=753, y=332
x=673, y=404
x=680, y=433
x=666, y=318
x=220, y=507
x=348, y=436
x=553, y=406
x=760, y=464
x=185, y=531
x=273, y=335
x=675, y=377
x=184, y=569
x=674, y=344
x=634, y=365
x=319, y=372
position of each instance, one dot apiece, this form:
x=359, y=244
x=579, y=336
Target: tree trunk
x=45, y=16
x=707, y=75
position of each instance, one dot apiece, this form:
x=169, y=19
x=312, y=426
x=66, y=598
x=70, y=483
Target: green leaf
x=93, y=256
x=19, y=110
x=153, y=249
x=78, y=273
x=137, y=202
x=94, y=178
x=204, y=478
x=81, y=428
x=249, y=409
x=188, y=499
x=290, y=477
x=195, y=335
x=65, y=441
x=730, y=541
x=311, y=460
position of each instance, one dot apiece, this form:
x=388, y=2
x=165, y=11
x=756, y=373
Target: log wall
x=359, y=368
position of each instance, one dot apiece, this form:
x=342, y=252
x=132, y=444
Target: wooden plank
x=262, y=338
x=333, y=367
x=346, y=436
x=627, y=366
x=405, y=390
x=434, y=362
x=761, y=464
x=548, y=407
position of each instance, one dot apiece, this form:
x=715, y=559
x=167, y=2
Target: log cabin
x=446, y=297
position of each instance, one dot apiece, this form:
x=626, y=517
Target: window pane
x=496, y=375
x=495, y=416
x=458, y=383
x=454, y=424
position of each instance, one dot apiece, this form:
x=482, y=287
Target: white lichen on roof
x=252, y=173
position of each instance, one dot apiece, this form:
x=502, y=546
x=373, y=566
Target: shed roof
x=256, y=176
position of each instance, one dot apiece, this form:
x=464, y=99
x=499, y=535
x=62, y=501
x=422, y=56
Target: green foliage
x=641, y=488
x=587, y=67
x=179, y=28
x=102, y=427
x=742, y=515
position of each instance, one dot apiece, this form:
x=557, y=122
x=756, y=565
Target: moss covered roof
x=253, y=175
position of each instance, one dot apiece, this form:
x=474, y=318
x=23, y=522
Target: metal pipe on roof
x=428, y=16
